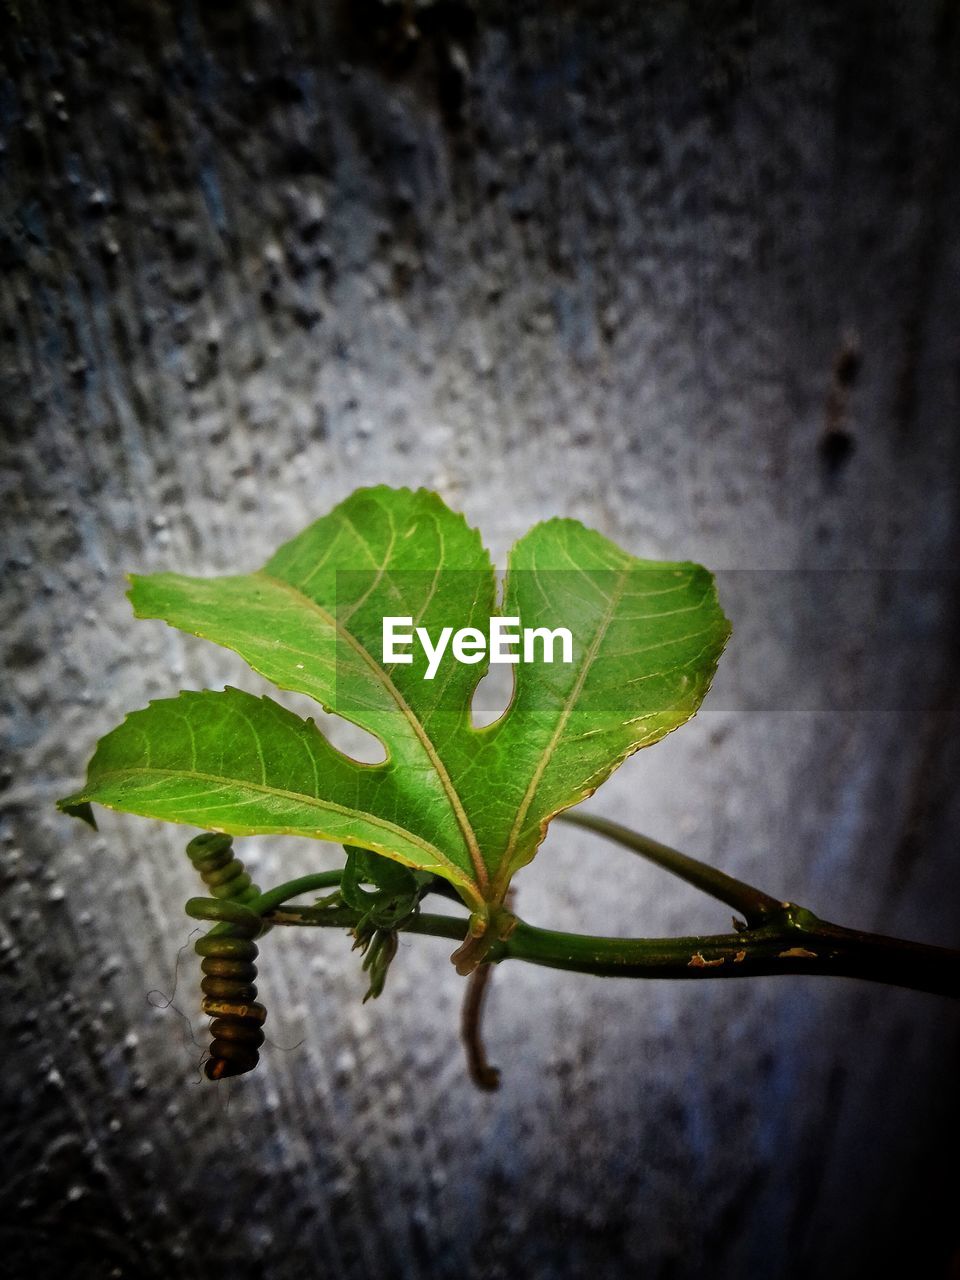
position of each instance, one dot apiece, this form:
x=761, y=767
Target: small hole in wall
x=836, y=447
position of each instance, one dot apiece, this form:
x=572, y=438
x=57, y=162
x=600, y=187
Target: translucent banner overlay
x=644, y=639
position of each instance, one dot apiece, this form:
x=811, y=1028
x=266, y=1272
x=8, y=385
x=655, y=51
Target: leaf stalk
x=753, y=904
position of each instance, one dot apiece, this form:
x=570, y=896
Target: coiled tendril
x=228, y=951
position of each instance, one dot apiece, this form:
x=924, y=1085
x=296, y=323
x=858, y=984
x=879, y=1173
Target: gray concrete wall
x=687, y=272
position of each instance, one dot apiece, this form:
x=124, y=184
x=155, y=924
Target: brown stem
x=483, y=1075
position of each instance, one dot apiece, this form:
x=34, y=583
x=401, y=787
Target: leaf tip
x=75, y=808
x=134, y=583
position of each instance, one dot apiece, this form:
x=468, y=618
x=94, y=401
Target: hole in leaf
x=353, y=741
x=492, y=695
x=349, y=738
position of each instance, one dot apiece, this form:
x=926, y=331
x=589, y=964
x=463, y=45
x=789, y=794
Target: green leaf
x=468, y=804
x=396, y=894
x=232, y=762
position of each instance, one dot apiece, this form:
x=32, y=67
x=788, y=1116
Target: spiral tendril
x=228, y=953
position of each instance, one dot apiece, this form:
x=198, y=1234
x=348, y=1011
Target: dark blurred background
x=686, y=271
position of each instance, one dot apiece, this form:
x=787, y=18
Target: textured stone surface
x=687, y=272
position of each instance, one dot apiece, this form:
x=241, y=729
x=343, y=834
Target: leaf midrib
x=298, y=796
x=568, y=704
x=453, y=798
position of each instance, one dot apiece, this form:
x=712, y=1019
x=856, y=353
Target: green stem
x=273, y=898
x=782, y=938
x=753, y=904
x=294, y=888
x=348, y=918
x=806, y=945
x=797, y=942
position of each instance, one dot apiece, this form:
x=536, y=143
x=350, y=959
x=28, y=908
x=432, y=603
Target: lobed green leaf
x=468, y=804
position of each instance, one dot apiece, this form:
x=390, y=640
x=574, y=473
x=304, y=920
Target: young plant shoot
x=386, y=612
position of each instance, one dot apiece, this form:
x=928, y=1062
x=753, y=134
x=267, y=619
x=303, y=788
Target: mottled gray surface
x=657, y=266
